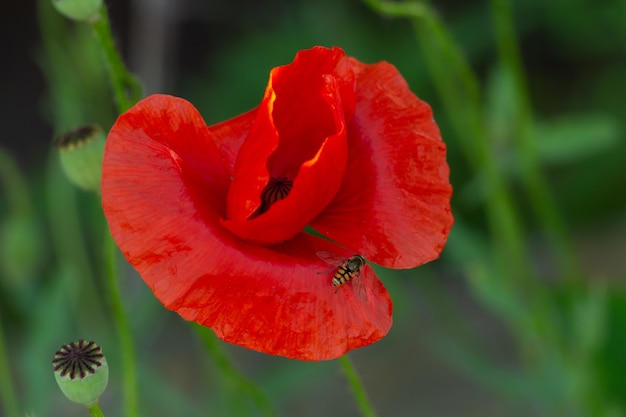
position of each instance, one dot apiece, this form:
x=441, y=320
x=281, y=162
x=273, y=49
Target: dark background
x=218, y=55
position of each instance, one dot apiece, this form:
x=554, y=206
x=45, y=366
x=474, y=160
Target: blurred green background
x=524, y=314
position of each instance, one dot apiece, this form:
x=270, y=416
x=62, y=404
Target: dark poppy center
x=78, y=359
x=276, y=189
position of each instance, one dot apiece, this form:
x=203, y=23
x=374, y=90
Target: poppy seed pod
x=82, y=372
x=81, y=10
x=81, y=151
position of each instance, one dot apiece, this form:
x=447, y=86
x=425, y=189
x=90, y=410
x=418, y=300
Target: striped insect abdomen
x=342, y=275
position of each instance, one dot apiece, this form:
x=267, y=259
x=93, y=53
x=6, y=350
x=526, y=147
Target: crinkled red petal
x=230, y=135
x=281, y=301
x=299, y=134
x=164, y=186
x=155, y=126
x=394, y=203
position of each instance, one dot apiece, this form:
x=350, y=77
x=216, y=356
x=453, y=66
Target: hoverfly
x=346, y=270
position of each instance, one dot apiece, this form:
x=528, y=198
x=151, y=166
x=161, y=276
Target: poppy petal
x=155, y=125
x=400, y=217
x=212, y=217
x=285, y=305
x=164, y=190
x=300, y=138
x=230, y=135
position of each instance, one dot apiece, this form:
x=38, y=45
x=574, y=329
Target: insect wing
x=358, y=281
x=358, y=284
x=331, y=258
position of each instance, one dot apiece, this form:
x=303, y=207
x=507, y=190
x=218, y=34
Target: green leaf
x=572, y=138
x=590, y=320
x=611, y=362
x=501, y=104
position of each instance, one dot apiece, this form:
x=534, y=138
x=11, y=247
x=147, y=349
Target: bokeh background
x=467, y=339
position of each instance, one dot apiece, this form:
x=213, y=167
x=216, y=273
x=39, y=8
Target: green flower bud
x=82, y=152
x=82, y=10
x=82, y=372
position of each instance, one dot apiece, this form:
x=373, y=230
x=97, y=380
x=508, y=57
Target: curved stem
x=95, y=410
x=229, y=373
x=125, y=86
x=458, y=88
x=357, y=387
x=127, y=92
x=533, y=179
x=124, y=332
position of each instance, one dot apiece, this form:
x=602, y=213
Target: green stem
x=533, y=179
x=357, y=387
x=457, y=85
x=458, y=88
x=124, y=333
x=126, y=88
x=95, y=410
x=229, y=373
x=127, y=92
x=7, y=390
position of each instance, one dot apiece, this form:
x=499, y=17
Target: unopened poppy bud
x=82, y=151
x=81, y=371
x=82, y=10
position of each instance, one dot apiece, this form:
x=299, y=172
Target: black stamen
x=78, y=358
x=77, y=137
x=276, y=189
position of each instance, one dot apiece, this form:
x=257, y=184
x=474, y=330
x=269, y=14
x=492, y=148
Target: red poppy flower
x=213, y=218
